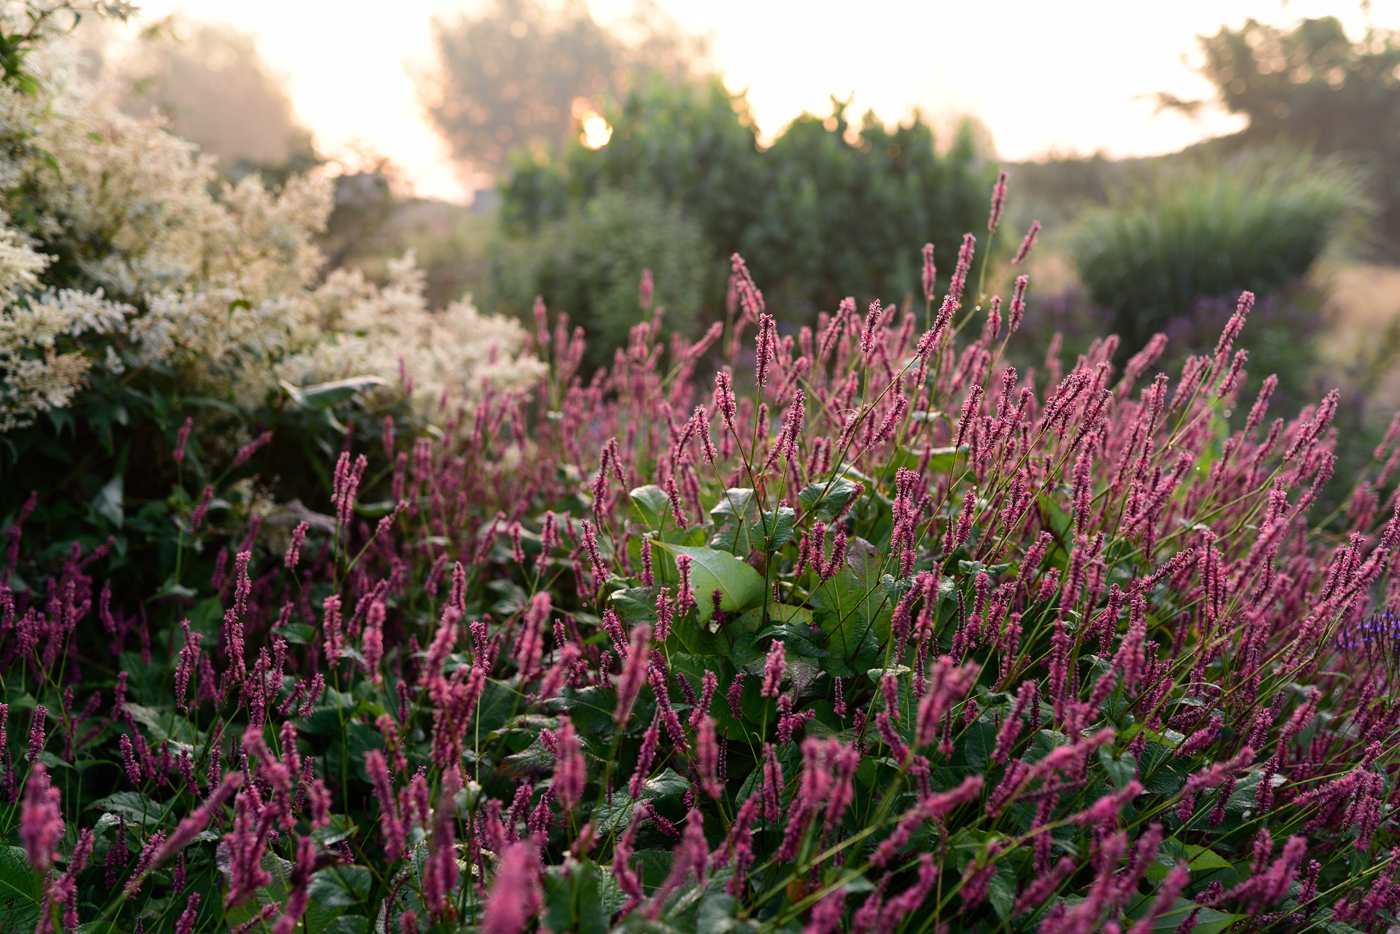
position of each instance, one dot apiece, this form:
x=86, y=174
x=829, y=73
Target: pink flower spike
x=246, y=452
x=514, y=897
x=40, y=820
x=293, y=555
x=774, y=669
x=998, y=202
x=634, y=673
x=181, y=438
x=1026, y=244
x=440, y=871
x=930, y=273
x=570, y=769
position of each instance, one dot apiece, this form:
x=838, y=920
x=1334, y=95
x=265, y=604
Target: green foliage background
x=826, y=211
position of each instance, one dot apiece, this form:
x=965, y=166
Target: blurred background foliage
x=587, y=261
x=827, y=210
x=833, y=204
x=1259, y=220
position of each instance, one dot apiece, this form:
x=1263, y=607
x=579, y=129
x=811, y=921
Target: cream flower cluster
x=219, y=283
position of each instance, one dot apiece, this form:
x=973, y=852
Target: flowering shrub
x=873, y=633
x=144, y=307
x=120, y=256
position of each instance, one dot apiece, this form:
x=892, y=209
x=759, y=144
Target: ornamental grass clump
x=872, y=634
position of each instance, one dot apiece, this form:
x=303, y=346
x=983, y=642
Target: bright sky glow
x=1073, y=76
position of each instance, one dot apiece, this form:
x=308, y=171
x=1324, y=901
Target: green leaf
x=854, y=611
x=710, y=570
x=1203, y=858
x=573, y=899
x=608, y=819
x=172, y=588
x=1209, y=921
x=590, y=709
x=736, y=505
x=1001, y=890
x=338, y=829
x=716, y=914
x=799, y=640
x=494, y=708
x=340, y=886
x=1120, y=771
x=165, y=725
x=20, y=891
x=297, y=633
x=534, y=760
x=1055, y=516
x=943, y=460
x=322, y=396
x=649, y=504
x=669, y=782
x=134, y=806
x=777, y=526
x=635, y=604
x=826, y=498
x=735, y=517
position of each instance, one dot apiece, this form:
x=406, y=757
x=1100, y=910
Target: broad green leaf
x=534, y=760
x=165, y=725
x=340, y=886
x=635, y=604
x=1055, y=516
x=20, y=891
x=716, y=913
x=321, y=396
x=1120, y=771
x=298, y=633
x=826, y=498
x=739, y=585
x=1204, y=858
x=735, y=505
x=573, y=899
x=943, y=460
x=134, y=806
x=799, y=639
x=614, y=818
x=1209, y=921
x=339, y=828
x=590, y=709
x=736, y=521
x=494, y=708
x=777, y=526
x=853, y=607
x=1001, y=891
x=171, y=588
x=649, y=505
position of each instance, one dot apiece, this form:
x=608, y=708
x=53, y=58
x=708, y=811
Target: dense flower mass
x=853, y=628
x=871, y=632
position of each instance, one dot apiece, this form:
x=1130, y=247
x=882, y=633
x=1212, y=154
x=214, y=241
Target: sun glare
x=596, y=132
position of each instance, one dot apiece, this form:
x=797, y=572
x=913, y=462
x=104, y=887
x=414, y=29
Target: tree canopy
x=519, y=74
x=1315, y=87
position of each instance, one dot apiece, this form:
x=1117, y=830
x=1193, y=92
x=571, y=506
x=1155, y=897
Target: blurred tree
x=1315, y=87
x=521, y=75
x=210, y=82
x=825, y=211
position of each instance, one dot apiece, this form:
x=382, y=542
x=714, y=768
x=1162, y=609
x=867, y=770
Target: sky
x=1071, y=76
